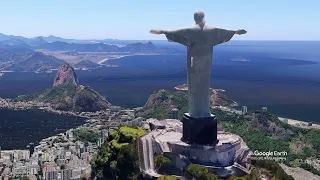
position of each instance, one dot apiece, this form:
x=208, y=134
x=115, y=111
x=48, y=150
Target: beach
x=298, y=123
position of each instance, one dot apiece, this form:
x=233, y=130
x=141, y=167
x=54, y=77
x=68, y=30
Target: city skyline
x=132, y=20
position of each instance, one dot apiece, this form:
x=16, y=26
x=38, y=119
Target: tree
x=161, y=161
x=40, y=169
x=167, y=178
x=117, y=158
x=199, y=172
x=128, y=162
x=86, y=135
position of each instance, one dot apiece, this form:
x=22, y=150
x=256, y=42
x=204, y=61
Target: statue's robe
x=200, y=42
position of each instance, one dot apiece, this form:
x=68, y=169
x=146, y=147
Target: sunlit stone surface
x=196, y=140
x=199, y=39
x=229, y=156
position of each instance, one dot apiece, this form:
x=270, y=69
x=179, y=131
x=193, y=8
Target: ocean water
x=282, y=75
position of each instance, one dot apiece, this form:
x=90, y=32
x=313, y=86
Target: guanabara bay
x=90, y=91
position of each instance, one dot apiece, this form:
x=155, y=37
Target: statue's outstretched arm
x=178, y=36
x=223, y=35
x=181, y=32
x=239, y=32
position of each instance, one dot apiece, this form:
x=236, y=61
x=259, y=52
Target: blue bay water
x=282, y=75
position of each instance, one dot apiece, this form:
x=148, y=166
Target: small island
x=240, y=59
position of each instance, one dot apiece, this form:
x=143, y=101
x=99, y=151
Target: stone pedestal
x=199, y=130
x=230, y=156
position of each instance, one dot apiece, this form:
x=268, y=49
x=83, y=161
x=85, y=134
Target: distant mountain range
x=101, y=47
x=39, y=39
x=26, y=60
x=54, y=43
x=17, y=53
x=21, y=60
x=19, y=40
x=63, y=46
x=14, y=43
x=52, y=38
x=35, y=62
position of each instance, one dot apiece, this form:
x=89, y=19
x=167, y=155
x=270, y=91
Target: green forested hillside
x=118, y=157
x=70, y=97
x=261, y=131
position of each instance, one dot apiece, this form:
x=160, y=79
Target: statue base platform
x=199, y=130
x=230, y=156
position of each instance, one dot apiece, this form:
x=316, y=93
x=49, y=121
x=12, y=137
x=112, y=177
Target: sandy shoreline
x=121, y=56
x=112, y=57
x=299, y=123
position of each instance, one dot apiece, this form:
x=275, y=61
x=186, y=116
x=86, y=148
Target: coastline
x=122, y=56
x=47, y=107
x=9, y=104
x=299, y=123
x=293, y=122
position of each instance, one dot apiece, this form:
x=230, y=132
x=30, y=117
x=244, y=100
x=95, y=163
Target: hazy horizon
x=132, y=20
x=164, y=40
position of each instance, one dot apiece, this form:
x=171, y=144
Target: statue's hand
x=156, y=31
x=241, y=31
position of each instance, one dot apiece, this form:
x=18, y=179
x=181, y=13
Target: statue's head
x=199, y=17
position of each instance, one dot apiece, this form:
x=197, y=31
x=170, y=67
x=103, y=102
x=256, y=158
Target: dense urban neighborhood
x=67, y=155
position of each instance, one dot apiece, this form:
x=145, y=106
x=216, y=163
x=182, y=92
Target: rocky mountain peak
x=150, y=44
x=65, y=74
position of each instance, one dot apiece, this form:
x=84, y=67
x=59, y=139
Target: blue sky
x=132, y=19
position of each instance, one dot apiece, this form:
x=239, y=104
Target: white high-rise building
x=32, y=168
x=244, y=110
x=66, y=174
x=76, y=172
x=264, y=109
x=51, y=175
x=175, y=113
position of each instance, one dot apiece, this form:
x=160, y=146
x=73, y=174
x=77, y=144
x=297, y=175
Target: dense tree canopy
x=118, y=157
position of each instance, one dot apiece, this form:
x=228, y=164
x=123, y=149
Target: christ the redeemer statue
x=199, y=39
